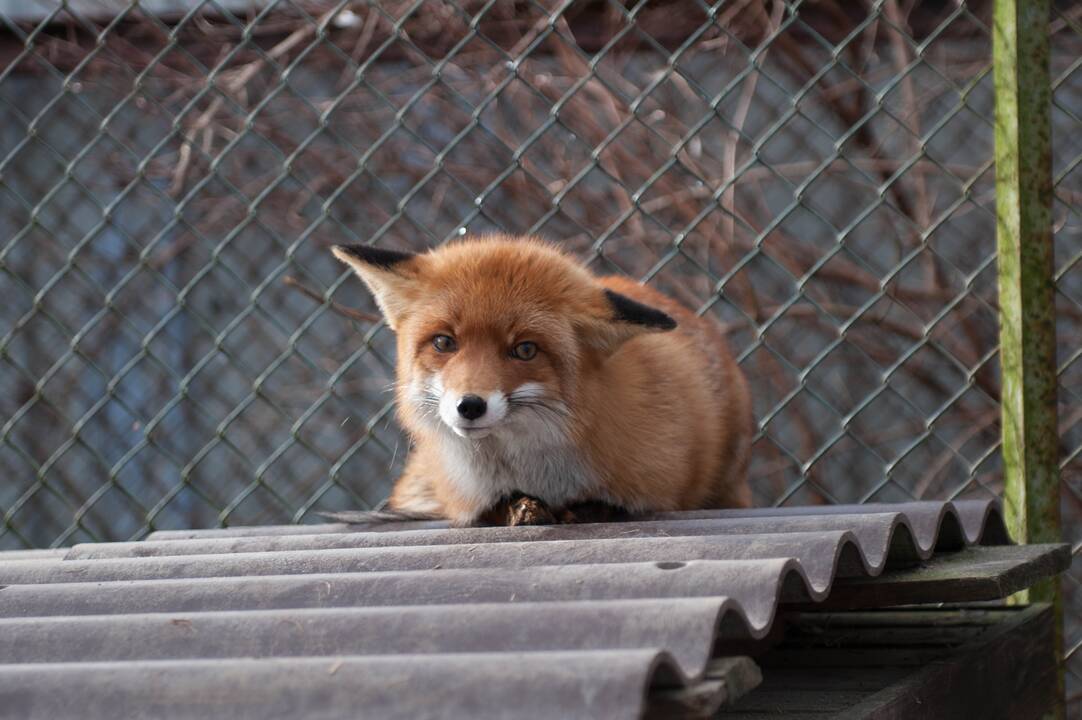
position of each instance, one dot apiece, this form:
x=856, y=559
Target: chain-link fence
x=178, y=349
x=1066, y=45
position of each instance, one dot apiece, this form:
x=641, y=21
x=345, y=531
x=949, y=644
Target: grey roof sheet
x=562, y=621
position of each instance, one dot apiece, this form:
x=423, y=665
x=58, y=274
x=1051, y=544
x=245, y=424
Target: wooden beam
x=975, y=574
x=1013, y=657
x=908, y=663
x=725, y=680
x=1026, y=285
x=1027, y=351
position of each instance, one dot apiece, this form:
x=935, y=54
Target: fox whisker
x=539, y=406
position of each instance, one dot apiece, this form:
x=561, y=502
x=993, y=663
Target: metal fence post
x=1023, y=154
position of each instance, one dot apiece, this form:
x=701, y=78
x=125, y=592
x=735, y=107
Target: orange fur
x=636, y=416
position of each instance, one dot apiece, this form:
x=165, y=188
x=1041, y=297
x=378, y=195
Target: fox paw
x=525, y=510
x=520, y=509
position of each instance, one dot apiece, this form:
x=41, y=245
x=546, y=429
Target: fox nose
x=471, y=407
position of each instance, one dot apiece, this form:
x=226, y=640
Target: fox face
x=477, y=374
x=493, y=335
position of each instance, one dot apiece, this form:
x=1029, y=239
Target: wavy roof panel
x=419, y=620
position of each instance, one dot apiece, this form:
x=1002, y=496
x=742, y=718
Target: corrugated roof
x=327, y=621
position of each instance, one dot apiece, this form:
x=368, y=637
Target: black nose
x=471, y=407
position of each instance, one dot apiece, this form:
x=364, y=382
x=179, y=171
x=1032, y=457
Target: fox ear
x=623, y=319
x=391, y=276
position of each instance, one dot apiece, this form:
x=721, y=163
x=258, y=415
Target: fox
x=534, y=391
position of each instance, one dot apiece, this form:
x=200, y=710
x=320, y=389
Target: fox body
x=520, y=372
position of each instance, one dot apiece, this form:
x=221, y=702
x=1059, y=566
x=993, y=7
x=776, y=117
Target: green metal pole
x=1027, y=335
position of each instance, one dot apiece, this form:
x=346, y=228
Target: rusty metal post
x=1026, y=283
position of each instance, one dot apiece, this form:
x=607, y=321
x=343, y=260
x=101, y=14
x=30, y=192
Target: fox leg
x=415, y=493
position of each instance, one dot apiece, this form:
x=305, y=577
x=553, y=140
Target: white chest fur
x=494, y=467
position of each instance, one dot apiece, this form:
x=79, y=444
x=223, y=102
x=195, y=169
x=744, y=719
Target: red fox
x=522, y=374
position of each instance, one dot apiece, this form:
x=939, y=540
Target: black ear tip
x=631, y=311
x=667, y=323
x=369, y=255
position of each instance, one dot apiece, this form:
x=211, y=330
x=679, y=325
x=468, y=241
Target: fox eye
x=524, y=351
x=444, y=343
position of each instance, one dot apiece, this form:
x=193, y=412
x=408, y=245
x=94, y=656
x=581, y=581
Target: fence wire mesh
x=178, y=349
x=1066, y=46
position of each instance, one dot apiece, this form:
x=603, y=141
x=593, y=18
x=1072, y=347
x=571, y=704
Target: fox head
x=494, y=334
